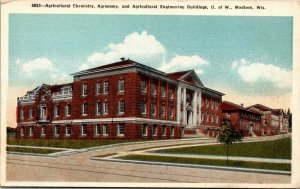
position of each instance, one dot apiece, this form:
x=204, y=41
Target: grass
x=202, y=161
x=280, y=149
x=64, y=143
x=31, y=150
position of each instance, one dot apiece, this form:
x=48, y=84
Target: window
x=105, y=130
x=207, y=103
x=207, y=117
x=217, y=119
x=98, y=88
x=121, y=86
x=30, y=113
x=171, y=94
x=105, y=87
x=212, y=117
x=84, y=109
x=43, y=130
x=84, y=89
x=43, y=112
x=22, y=132
x=68, y=130
x=153, y=109
x=98, y=108
x=154, y=130
x=21, y=116
x=121, y=129
x=170, y=111
x=145, y=130
x=97, y=129
x=143, y=87
x=56, y=130
x=162, y=111
x=163, y=91
x=217, y=105
x=172, y=130
x=68, y=110
x=164, y=130
x=56, y=111
x=211, y=104
x=202, y=119
x=83, y=129
x=121, y=107
x=105, y=107
x=153, y=89
x=144, y=107
x=30, y=131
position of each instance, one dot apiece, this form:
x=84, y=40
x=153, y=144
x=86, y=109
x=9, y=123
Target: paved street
x=78, y=167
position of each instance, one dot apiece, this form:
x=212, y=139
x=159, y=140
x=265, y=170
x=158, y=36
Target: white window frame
x=22, y=131
x=121, y=129
x=105, y=87
x=154, y=130
x=98, y=88
x=164, y=130
x=105, y=107
x=121, y=107
x=144, y=107
x=56, y=111
x=56, y=130
x=172, y=131
x=67, y=133
x=30, y=113
x=43, y=130
x=153, y=109
x=163, y=111
x=144, y=130
x=163, y=92
x=121, y=86
x=84, y=109
x=143, y=86
x=84, y=89
x=30, y=131
x=153, y=89
x=68, y=110
x=105, y=130
x=98, y=108
x=82, y=129
x=97, y=129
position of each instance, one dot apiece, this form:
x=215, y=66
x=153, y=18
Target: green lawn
x=232, y=163
x=280, y=149
x=31, y=150
x=65, y=143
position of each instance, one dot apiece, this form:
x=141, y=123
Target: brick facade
x=122, y=100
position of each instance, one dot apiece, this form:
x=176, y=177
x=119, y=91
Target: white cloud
x=255, y=72
x=179, y=63
x=140, y=47
x=37, y=64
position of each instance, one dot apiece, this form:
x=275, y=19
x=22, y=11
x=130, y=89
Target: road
x=79, y=168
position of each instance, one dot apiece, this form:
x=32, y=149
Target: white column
x=184, y=105
x=195, y=99
x=178, y=103
x=200, y=106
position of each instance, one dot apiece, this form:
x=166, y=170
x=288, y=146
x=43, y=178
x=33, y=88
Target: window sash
x=144, y=107
x=121, y=129
x=145, y=130
x=105, y=87
x=68, y=130
x=98, y=108
x=143, y=86
x=105, y=129
x=84, y=89
x=121, y=86
x=121, y=107
x=83, y=129
x=105, y=107
x=97, y=129
x=84, y=109
x=154, y=130
x=153, y=109
x=98, y=88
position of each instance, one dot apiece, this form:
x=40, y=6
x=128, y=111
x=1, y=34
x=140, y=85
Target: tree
x=228, y=136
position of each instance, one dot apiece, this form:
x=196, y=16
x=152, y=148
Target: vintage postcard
x=150, y=93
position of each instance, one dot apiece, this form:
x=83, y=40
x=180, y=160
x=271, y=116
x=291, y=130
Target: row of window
x=121, y=87
x=213, y=104
x=101, y=130
x=154, y=90
x=212, y=118
x=153, y=109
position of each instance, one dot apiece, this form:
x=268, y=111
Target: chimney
x=122, y=58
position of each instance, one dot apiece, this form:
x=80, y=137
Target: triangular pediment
x=41, y=89
x=192, y=78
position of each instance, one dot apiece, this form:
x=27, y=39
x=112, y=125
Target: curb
x=223, y=168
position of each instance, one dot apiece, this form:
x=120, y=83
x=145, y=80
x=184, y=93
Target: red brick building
x=243, y=120
x=125, y=100
x=273, y=121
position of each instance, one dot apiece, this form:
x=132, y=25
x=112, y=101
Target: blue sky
x=246, y=56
